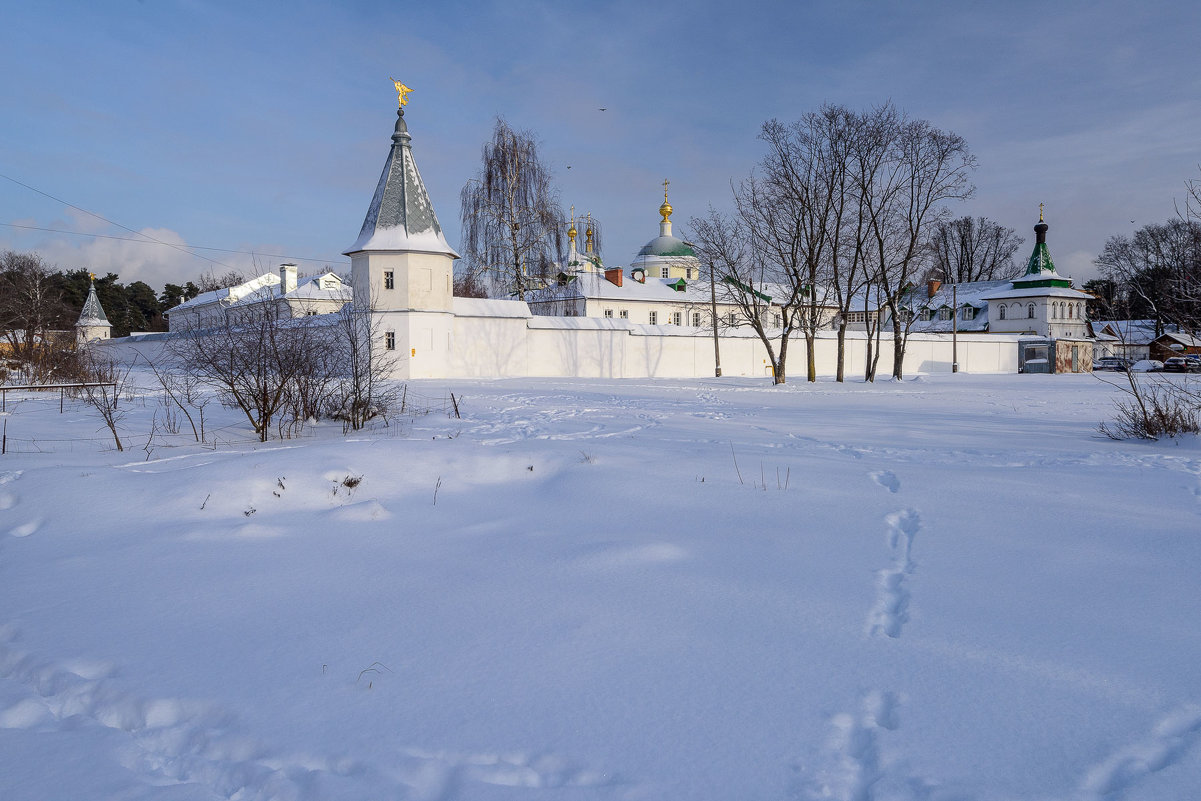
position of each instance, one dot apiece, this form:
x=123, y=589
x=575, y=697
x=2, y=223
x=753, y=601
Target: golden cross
x=1040, y=212
x=92, y=276
x=665, y=183
x=402, y=91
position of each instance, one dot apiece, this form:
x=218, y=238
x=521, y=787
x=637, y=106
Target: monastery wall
x=501, y=339
x=495, y=339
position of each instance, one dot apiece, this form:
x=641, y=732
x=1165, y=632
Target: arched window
x=1079, y=311
x=1001, y=311
x=1030, y=312
x=1070, y=311
x=1054, y=311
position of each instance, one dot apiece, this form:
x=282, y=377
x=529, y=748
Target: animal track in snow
x=25, y=529
x=854, y=764
x=1122, y=771
x=190, y=742
x=8, y=498
x=891, y=610
x=887, y=479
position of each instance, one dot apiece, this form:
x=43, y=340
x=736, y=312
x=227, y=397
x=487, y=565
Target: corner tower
x=401, y=265
x=93, y=323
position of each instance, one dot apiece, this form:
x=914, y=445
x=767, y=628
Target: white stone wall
x=516, y=346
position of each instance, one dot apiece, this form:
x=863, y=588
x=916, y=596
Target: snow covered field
x=947, y=588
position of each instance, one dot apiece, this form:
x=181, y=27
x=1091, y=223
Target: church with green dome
x=667, y=256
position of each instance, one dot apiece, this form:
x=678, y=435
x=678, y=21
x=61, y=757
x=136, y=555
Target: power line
x=130, y=230
x=144, y=242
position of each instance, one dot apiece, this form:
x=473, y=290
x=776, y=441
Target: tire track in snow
x=1125, y=769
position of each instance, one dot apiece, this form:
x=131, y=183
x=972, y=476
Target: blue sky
x=263, y=127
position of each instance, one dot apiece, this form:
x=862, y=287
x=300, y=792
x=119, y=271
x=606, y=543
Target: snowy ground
x=948, y=588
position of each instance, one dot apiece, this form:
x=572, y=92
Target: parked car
x=1111, y=363
x=1147, y=366
x=1182, y=364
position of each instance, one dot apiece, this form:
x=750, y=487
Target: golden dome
x=665, y=209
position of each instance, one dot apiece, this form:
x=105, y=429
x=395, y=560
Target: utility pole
x=954, y=328
x=713, y=314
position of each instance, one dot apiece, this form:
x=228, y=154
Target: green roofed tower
x=1040, y=270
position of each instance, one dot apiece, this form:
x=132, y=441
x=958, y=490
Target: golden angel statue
x=402, y=92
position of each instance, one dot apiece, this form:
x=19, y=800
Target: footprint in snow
x=891, y=610
x=25, y=529
x=887, y=479
x=1128, y=767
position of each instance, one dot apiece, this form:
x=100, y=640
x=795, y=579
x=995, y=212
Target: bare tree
x=210, y=281
x=921, y=167
x=724, y=242
x=789, y=214
x=104, y=382
x=1192, y=201
x=973, y=249
x=31, y=305
x=1157, y=273
x=261, y=361
x=510, y=214
x=364, y=389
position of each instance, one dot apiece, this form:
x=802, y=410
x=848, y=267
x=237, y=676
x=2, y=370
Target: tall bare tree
x=973, y=249
x=742, y=277
x=364, y=389
x=510, y=214
x=921, y=168
x=1157, y=273
x=31, y=304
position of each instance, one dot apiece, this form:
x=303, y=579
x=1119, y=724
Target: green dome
x=666, y=246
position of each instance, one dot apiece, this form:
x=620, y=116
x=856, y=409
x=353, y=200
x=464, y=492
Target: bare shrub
x=1154, y=408
x=104, y=385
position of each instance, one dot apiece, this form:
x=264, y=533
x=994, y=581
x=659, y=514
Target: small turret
x=93, y=323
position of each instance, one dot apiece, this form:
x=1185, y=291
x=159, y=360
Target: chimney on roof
x=613, y=276
x=932, y=288
x=287, y=278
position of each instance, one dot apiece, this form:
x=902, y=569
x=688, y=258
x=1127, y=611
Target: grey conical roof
x=401, y=217
x=93, y=312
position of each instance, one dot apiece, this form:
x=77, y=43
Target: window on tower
x=389, y=279
x=390, y=340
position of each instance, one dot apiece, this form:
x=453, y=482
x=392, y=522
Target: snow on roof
x=1040, y=292
x=398, y=238
x=231, y=294
x=1188, y=340
x=595, y=286
x=327, y=286
x=92, y=313
x=268, y=287
x=1132, y=332
x=489, y=307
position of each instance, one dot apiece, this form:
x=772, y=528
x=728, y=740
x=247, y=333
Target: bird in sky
x=602, y=109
